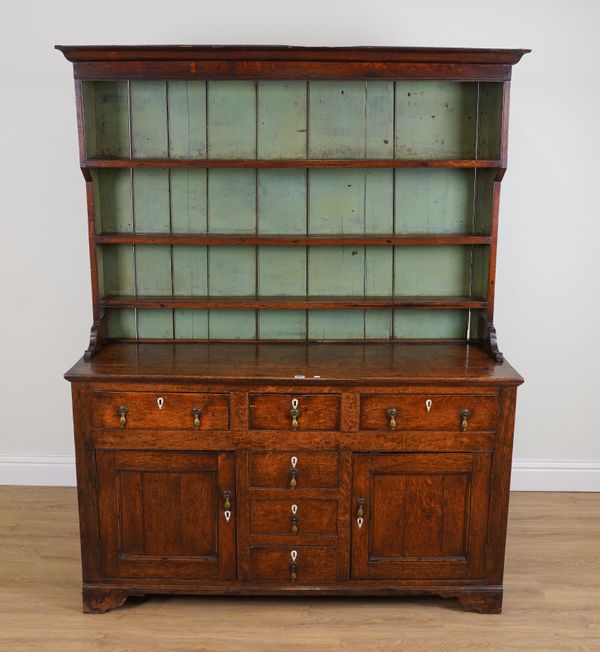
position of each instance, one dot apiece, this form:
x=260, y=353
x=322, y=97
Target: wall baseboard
x=527, y=475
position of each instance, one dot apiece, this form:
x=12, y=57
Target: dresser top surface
x=302, y=362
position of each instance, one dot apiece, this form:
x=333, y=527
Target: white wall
x=548, y=308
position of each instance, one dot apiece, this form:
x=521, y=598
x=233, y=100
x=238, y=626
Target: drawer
x=274, y=411
x=428, y=412
x=167, y=411
x=293, y=517
x=278, y=469
x=312, y=563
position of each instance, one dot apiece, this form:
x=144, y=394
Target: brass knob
x=392, y=412
x=464, y=415
x=196, y=414
x=123, y=415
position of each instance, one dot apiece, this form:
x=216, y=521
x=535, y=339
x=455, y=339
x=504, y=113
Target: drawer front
x=162, y=411
x=293, y=517
x=275, y=564
x=274, y=411
x=293, y=470
x=453, y=412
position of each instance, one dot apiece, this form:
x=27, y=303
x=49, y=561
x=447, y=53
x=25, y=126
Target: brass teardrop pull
x=123, y=410
x=464, y=416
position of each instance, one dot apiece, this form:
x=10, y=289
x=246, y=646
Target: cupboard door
x=163, y=514
x=423, y=515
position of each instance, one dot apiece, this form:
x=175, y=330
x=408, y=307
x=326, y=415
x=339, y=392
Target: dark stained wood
x=314, y=563
x=273, y=412
x=294, y=303
x=273, y=469
x=117, y=163
x=275, y=517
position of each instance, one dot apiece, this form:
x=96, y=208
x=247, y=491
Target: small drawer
x=293, y=517
x=164, y=411
x=293, y=564
x=276, y=411
x=293, y=470
x=451, y=412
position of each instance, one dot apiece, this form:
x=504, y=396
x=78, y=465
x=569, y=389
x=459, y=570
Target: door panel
x=424, y=515
x=162, y=514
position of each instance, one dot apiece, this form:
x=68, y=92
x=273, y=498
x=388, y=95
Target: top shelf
x=287, y=163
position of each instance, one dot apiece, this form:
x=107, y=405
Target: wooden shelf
x=288, y=163
x=298, y=302
x=290, y=240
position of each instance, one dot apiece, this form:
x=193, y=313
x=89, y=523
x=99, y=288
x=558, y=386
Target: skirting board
x=527, y=475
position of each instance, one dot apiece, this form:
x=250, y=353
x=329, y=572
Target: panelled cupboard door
x=164, y=514
x=419, y=515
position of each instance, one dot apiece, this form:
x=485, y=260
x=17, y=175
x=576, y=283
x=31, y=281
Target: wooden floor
x=551, y=600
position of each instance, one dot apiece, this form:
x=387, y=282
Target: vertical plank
x=282, y=324
x=380, y=119
x=490, y=120
x=378, y=271
x=410, y=324
x=149, y=136
x=111, y=110
x=336, y=324
x=378, y=324
x=198, y=514
x=379, y=201
x=226, y=536
x=151, y=201
x=155, y=323
x=153, y=270
x=282, y=201
x=423, y=534
x=191, y=324
x=190, y=270
x=187, y=118
x=162, y=513
x=130, y=512
x=231, y=103
x=337, y=201
x=231, y=201
x=435, y=119
x=113, y=200
x=281, y=119
x=117, y=263
x=433, y=201
x=121, y=323
x=389, y=511
x=232, y=271
x=281, y=271
x=232, y=324
x=336, y=271
x=479, y=272
x=188, y=201
x=455, y=504
x=432, y=270
x=89, y=120
x=337, y=119
x=482, y=216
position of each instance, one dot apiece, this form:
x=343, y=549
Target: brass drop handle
x=464, y=415
x=392, y=412
x=295, y=413
x=227, y=505
x=294, y=518
x=293, y=565
x=294, y=472
x=196, y=414
x=123, y=410
x=360, y=512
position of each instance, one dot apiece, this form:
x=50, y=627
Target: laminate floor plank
x=551, y=599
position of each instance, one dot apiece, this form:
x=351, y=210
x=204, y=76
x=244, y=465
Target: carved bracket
x=98, y=334
x=489, y=338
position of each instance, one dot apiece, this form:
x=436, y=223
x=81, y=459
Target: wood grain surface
x=551, y=601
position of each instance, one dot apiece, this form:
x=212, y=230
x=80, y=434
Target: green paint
x=490, y=120
x=378, y=324
x=281, y=119
x=482, y=219
x=187, y=119
x=151, y=200
x=337, y=119
x=336, y=271
x=149, y=138
x=481, y=261
x=380, y=119
x=379, y=201
x=108, y=130
x=282, y=201
x=282, y=271
x=232, y=324
x=435, y=119
x=191, y=324
x=378, y=271
x=231, y=119
x=430, y=324
x=337, y=201
x=434, y=201
x=231, y=201
x=232, y=271
x=431, y=270
x=190, y=271
x=121, y=323
x=117, y=265
x=155, y=324
x=188, y=201
x=153, y=270
x=336, y=324
x=112, y=190
x=282, y=324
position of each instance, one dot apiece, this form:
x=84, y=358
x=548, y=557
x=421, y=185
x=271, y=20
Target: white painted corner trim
x=527, y=475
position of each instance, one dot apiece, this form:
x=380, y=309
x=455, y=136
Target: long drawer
x=164, y=411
